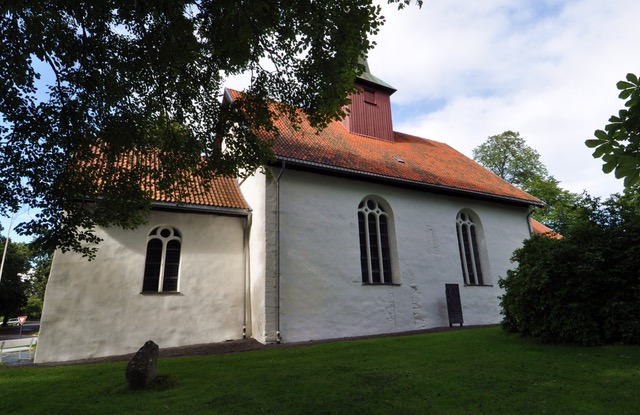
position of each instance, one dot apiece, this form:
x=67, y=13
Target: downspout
x=531, y=210
x=278, y=336
x=247, y=269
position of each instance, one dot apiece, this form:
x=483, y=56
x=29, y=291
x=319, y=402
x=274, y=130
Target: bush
x=585, y=288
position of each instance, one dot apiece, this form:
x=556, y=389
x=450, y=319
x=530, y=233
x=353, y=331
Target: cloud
x=548, y=69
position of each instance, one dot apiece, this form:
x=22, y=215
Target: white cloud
x=547, y=70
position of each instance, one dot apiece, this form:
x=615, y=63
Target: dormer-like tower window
x=369, y=96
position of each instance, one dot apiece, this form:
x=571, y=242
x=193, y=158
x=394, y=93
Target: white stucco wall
x=322, y=295
x=96, y=308
x=254, y=191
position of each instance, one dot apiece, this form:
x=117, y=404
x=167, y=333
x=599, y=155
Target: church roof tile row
x=407, y=159
x=222, y=192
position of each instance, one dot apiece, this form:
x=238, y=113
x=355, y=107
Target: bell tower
x=370, y=108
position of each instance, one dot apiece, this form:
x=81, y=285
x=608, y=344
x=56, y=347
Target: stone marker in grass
x=141, y=369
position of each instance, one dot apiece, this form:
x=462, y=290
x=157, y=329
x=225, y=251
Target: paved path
x=12, y=359
x=14, y=332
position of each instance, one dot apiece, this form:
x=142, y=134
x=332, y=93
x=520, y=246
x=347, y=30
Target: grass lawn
x=481, y=371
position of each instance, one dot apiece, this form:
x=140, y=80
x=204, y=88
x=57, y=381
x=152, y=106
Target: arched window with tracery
x=374, y=225
x=469, y=236
x=162, y=263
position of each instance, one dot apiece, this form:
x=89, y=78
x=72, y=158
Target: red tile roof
x=409, y=159
x=222, y=192
x=540, y=229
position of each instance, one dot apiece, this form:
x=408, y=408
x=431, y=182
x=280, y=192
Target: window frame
x=166, y=279
x=472, y=249
x=369, y=96
x=376, y=238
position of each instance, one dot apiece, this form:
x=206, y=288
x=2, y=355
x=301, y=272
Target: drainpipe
x=247, y=269
x=531, y=210
x=278, y=336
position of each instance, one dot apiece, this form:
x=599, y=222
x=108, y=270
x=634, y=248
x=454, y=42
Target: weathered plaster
x=322, y=295
x=261, y=194
x=96, y=308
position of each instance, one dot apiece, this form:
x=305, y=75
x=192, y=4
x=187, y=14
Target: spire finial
x=368, y=78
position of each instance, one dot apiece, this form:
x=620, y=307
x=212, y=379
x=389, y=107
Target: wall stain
x=391, y=307
x=432, y=245
x=418, y=317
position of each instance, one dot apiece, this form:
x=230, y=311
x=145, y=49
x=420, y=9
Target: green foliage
x=13, y=286
x=462, y=372
x=559, y=202
x=38, y=278
x=585, y=287
x=146, y=76
x=508, y=156
x=618, y=145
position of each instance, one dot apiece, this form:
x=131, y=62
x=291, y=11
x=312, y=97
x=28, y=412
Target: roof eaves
x=220, y=210
x=372, y=81
x=435, y=187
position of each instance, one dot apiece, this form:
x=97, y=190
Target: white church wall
x=322, y=295
x=254, y=192
x=96, y=308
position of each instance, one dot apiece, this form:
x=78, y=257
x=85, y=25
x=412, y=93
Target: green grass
x=479, y=371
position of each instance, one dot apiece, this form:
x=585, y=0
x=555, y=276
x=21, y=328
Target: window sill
x=380, y=284
x=478, y=285
x=152, y=293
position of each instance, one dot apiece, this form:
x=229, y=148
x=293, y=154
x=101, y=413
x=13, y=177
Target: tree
x=559, y=202
x=37, y=284
x=12, y=285
x=146, y=76
x=585, y=287
x=618, y=145
x=508, y=156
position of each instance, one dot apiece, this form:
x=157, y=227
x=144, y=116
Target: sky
x=467, y=70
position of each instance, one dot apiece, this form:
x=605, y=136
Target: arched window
x=375, y=251
x=162, y=262
x=468, y=243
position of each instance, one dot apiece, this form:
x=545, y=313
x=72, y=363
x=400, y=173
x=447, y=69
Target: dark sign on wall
x=454, y=307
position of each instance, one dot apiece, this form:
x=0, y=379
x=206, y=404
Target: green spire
x=367, y=77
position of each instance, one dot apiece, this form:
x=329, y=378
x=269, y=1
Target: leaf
x=593, y=143
x=625, y=94
x=627, y=166
x=632, y=78
x=632, y=179
x=624, y=85
x=601, y=135
x=608, y=167
x=599, y=152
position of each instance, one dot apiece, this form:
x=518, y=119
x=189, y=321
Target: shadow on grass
x=160, y=384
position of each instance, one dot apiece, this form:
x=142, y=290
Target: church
x=356, y=230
